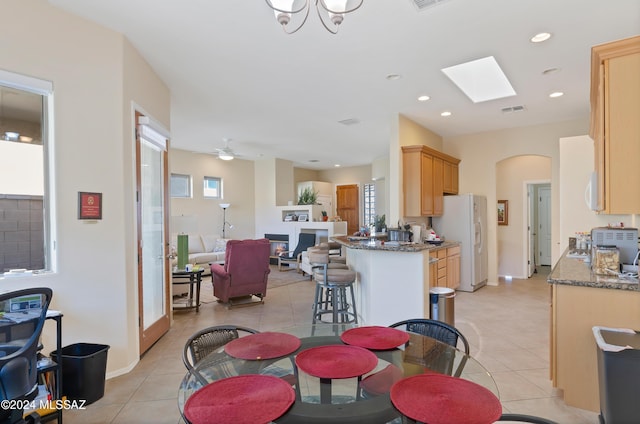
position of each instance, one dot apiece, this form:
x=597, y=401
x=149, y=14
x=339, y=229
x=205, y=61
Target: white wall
x=512, y=175
x=238, y=190
x=481, y=152
x=576, y=165
x=94, y=281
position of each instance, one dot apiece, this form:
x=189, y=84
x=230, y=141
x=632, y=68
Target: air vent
x=350, y=121
x=513, y=109
x=425, y=4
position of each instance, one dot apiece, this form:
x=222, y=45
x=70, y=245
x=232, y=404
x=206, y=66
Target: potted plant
x=379, y=222
x=308, y=197
x=325, y=217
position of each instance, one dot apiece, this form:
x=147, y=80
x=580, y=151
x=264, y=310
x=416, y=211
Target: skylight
x=481, y=80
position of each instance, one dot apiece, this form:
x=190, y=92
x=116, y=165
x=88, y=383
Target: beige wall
x=479, y=154
x=238, y=190
x=512, y=175
x=412, y=134
x=91, y=71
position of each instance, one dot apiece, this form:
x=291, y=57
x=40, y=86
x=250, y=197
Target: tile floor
x=507, y=327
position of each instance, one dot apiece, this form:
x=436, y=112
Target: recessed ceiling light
x=393, y=77
x=337, y=165
x=539, y=38
x=423, y=98
x=481, y=80
x=445, y=113
x=556, y=94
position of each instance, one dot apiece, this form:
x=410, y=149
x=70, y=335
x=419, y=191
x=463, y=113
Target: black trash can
x=84, y=366
x=618, y=374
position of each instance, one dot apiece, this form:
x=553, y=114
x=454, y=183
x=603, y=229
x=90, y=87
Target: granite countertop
x=575, y=272
x=367, y=244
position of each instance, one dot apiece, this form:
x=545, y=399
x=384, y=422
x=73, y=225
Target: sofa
x=205, y=249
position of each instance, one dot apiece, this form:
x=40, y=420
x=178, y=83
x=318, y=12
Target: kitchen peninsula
x=580, y=300
x=393, y=279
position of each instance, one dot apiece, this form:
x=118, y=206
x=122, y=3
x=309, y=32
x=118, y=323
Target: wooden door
x=348, y=207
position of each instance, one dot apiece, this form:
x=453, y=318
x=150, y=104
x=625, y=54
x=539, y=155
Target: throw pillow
x=221, y=245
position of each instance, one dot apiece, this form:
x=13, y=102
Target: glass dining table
x=362, y=398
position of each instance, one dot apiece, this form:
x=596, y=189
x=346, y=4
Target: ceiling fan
x=226, y=152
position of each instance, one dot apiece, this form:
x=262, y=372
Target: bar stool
x=332, y=283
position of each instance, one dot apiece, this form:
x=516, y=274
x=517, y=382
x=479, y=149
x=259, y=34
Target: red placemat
x=265, y=345
x=244, y=399
x=375, y=337
x=441, y=399
x=336, y=361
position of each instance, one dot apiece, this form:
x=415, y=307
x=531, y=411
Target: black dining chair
x=435, y=329
x=208, y=340
x=521, y=418
x=305, y=241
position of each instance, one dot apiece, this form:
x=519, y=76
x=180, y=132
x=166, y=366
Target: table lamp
x=183, y=225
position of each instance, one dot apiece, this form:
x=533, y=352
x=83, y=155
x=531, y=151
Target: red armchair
x=244, y=273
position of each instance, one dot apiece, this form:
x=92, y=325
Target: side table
x=192, y=278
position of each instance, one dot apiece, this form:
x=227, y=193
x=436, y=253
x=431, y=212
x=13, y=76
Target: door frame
x=161, y=326
x=530, y=220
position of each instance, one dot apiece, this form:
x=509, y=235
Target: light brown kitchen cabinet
x=615, y=127
x=446, y=272
x=575, y=311
x=425, y=172
x=450, y=177
x=438, y=185
x=453, y=267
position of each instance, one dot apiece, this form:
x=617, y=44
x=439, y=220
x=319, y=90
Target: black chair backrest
x=436, y=329
x=208, y=340
x=305, y=241
x=22, y=316
x=525, y=419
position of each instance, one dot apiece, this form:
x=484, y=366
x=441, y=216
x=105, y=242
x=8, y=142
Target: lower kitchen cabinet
x=446, y=272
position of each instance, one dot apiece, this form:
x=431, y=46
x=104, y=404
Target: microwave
x=625, y=239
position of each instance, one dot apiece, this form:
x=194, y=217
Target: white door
x=544, y=225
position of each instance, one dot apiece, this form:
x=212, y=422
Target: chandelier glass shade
x=292, y=14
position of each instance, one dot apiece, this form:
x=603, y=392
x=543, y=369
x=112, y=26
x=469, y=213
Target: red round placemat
x=265, y=345
x=375, y=337
x=441, y=399
x=244, y=399
x=336, y=361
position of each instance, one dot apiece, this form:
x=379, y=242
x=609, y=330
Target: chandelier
x=296, y=12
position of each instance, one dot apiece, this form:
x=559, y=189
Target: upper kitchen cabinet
x=615, y=126
x=427, y=175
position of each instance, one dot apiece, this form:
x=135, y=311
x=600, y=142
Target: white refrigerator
x=464, y=219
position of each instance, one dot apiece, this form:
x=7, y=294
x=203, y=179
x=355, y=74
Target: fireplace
x=279, y=243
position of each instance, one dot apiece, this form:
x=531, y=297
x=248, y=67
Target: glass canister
x=606, y=260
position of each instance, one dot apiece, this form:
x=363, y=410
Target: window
x=369, y=204
x=212, y=188
x=26, y=232
x=180, y=185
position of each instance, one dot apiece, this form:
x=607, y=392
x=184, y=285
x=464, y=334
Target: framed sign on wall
x=89, y=205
